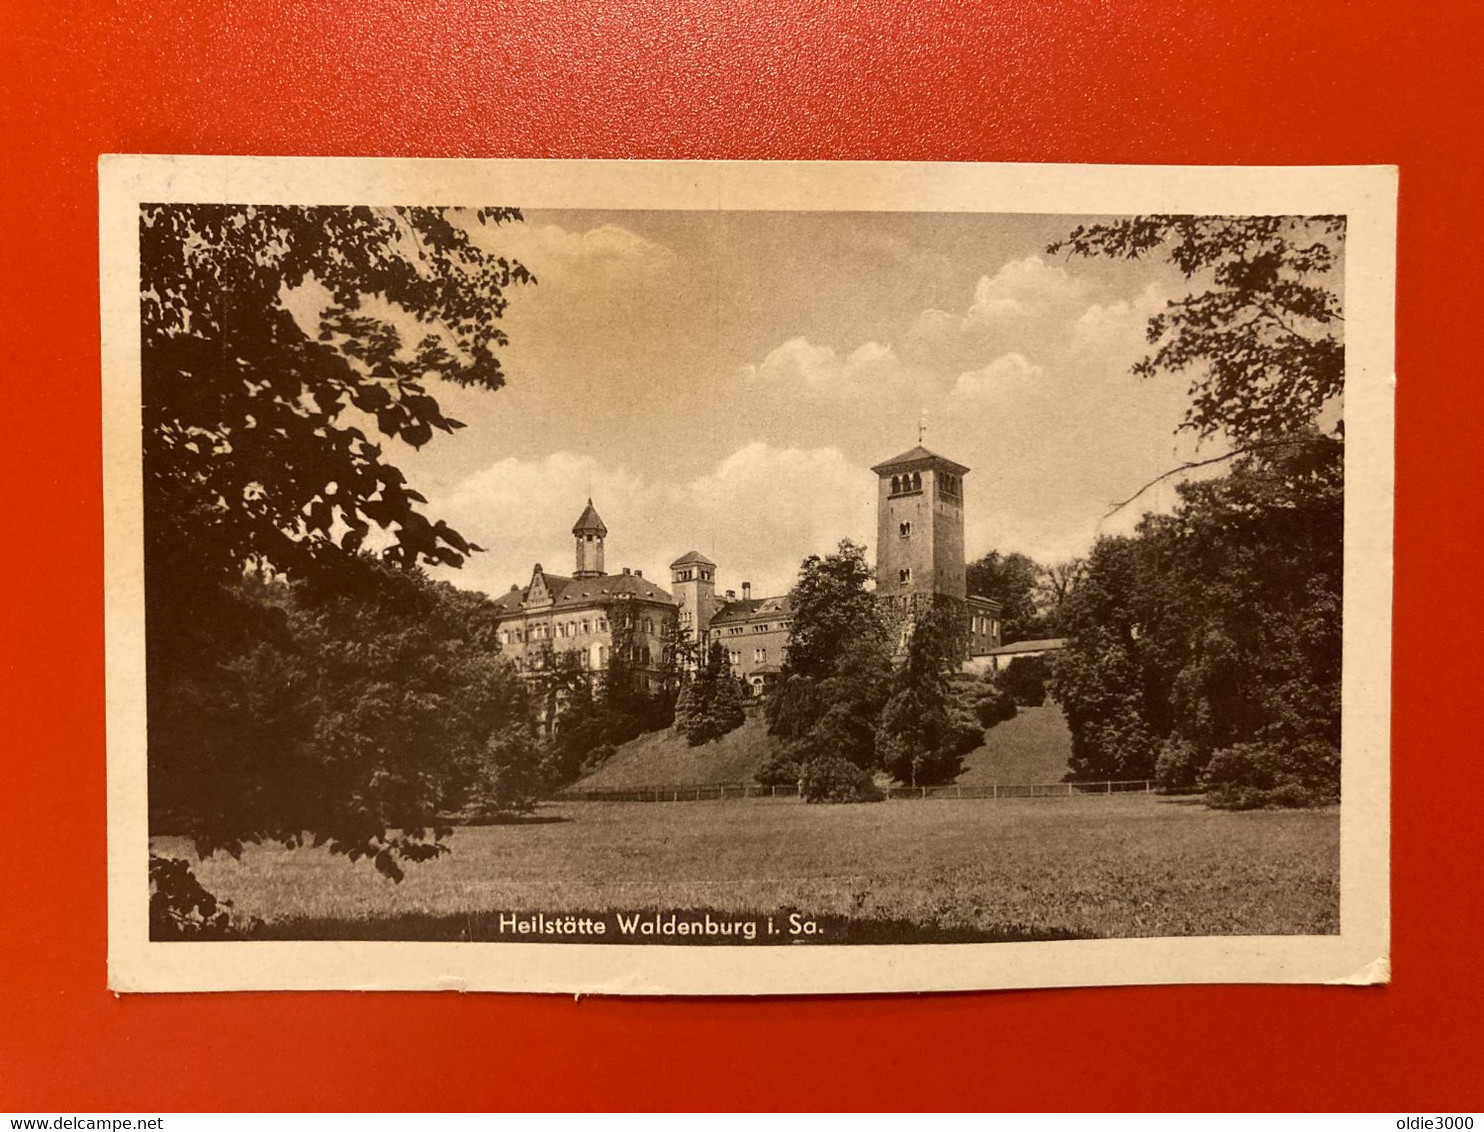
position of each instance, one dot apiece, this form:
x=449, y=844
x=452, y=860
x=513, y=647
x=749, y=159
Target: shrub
x=836, y=780
x=1250, y=775
x=1178, y=768
x=780, y=768
x=993, y=705
x=1025, y=679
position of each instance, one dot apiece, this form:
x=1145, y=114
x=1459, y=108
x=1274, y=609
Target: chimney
x=638, y=573
x=625, y=570
x=731, y=595
x=746, y=591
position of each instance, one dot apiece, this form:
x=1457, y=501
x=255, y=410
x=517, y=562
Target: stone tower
x=919, y=529
x=693, y=584
x=589, y=532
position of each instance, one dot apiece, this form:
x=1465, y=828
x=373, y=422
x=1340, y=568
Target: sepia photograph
x=657, y=578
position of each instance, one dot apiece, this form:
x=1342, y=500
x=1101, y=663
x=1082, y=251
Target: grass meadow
x=937, y=870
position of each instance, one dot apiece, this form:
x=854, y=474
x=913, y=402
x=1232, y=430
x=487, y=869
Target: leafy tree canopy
x=1262, y=337
x=254, y=445
x=832, y=606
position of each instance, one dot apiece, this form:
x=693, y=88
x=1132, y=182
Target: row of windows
x=986, y=625
x=760, y=627
x=902, y=485
x=585, y=658
x=759, y=656
x=542, y=631
x=690, y=575
x=948, y=484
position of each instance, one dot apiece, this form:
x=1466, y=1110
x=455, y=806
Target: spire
x=589, y=523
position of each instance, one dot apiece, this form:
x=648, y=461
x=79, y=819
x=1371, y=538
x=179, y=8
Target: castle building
x=919, y=556
x=580, y=615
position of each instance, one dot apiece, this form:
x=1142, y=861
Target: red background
x=1234, y=81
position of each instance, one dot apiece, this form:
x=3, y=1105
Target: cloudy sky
x=724, y=381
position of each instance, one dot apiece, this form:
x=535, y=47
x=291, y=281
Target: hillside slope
x=1031, y=748
x=662, y=758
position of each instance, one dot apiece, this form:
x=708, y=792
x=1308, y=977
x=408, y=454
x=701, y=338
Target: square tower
x=919, y=528
x=693, y=584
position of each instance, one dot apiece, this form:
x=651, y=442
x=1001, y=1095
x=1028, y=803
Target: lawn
x=910, y=870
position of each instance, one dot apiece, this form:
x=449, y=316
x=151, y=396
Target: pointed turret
x=589, y=523
x=589, y=532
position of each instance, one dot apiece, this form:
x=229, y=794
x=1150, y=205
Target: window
x=904, y=575
x=905, y=529
x=759, y=655
x=602, y=624
x=735, y=630
x=761, y=628
x=602, y=656
x=734, y=658
x=649, y=625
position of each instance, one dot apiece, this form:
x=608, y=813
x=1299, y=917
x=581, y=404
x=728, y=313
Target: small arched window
x=896, y=485
x=906, y=530
x=916, y=481
x=905, y=574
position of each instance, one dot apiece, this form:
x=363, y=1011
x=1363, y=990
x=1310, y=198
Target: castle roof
x=917, y=458
x=1050, y=644
x=571, y=593
x=589, y=522
x=692, y=558
x=749, y=608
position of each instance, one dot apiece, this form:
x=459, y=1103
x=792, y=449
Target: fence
x=719, y=792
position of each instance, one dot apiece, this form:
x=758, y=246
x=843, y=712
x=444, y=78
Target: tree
x=272, y=353
x=832, y=606
x=1025, y=679
x=710, y=705
x=1262, y=340
x=925, y=729
x=1216, y=628
x=1014, y=581
x=360, y=718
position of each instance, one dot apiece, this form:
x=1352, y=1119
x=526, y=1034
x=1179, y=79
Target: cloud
x=1010, y=375
x=758, y=512
x=1013, y=309
x=549, y=249
x=823, y=369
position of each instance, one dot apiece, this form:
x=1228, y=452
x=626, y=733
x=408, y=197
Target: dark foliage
x=710, y=704
x=1215, y=628
x=992, y=704
x=179, y=908
x=354, y=718
x=353, y=706
x=780, y=768
x=1025, y=679
x=834, y=780
x=833, y=608
x=925, y=729
x=1013, y=580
